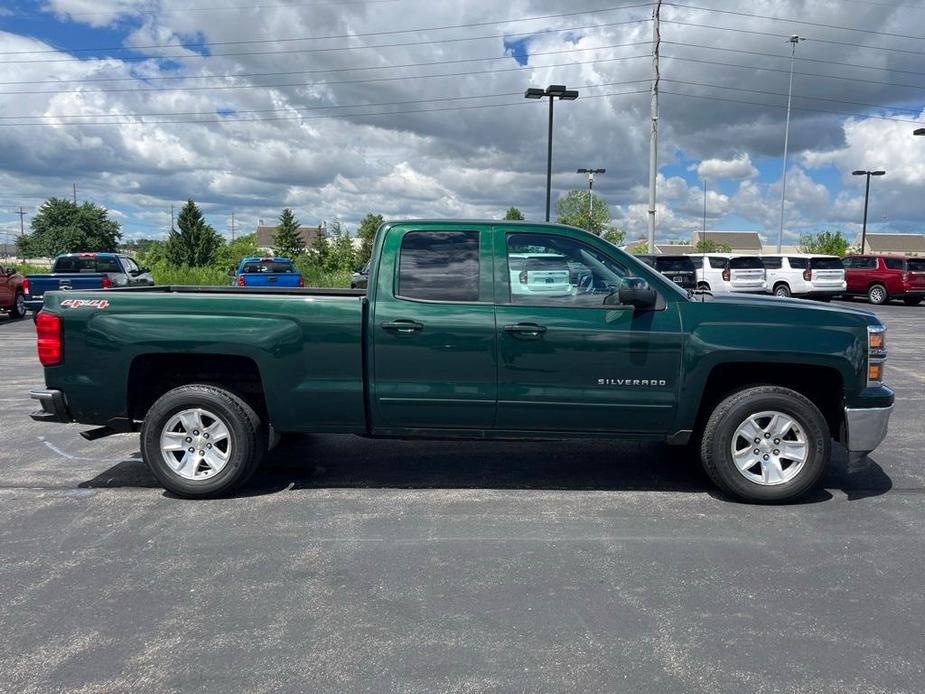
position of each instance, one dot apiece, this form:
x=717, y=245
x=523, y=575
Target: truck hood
x=766, y=301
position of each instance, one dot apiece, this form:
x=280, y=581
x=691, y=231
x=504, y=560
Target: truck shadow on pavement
x=339, y=461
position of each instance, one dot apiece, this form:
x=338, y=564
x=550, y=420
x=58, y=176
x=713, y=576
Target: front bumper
x=54, y=406
x=866, y=427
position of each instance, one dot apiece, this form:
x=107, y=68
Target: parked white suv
x=728, y=272
x=805, y=275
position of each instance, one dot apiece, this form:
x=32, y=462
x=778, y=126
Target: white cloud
x=737, y=168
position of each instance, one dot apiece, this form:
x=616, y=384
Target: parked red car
x=11, y=292
x=884, y=277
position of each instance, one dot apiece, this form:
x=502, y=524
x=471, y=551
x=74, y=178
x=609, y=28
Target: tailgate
x=828, y=277
x=39, y=284
x=917, y=280
x=271, y=279
x=747, y=278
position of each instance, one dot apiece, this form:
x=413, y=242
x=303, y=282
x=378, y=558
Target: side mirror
x=636, y=292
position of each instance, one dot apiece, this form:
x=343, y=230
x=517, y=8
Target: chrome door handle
x=525, y=329
x=405, y=327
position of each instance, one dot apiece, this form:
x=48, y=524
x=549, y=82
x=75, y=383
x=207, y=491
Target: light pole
x=794, y=40
x=866, y=197
x=704, y=234
x=591, y=173
x=553, y=91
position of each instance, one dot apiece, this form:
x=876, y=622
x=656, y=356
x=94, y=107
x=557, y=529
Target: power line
x=791, y=20
x=799, y=58
x=418, y=42
x=523, y=68
x=754, y=32
x=392, y=32
x=350, y=115
x=221, y=8
x=795, y=108
x=804, y=74
x=136, y=78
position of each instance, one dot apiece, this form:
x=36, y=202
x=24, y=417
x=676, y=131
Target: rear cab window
x=273, y=266
x=86, y=264
x=439, y=266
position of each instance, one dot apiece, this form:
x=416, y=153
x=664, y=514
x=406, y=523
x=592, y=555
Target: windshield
x=268, y=266
x=826, y=264
x=674, y=264
x=748, y=262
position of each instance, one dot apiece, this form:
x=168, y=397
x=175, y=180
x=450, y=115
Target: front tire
x=765, y=444
x=877, y=295
x=201, y=441
x=19, y=306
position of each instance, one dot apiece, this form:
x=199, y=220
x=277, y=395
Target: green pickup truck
x=479, y=330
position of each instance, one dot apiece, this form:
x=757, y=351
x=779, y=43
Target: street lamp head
x=858, y=173
x=555, y=90
x=534, y=93
x=919, y=131
x=583, y=171
x=599, y=171
x=877, y=173
x=569, y=95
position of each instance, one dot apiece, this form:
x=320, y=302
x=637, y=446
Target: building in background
x=266, y=236
x=745, y=242
x=900, y=244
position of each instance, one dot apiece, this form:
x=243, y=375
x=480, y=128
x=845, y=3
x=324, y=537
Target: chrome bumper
x=866, y=427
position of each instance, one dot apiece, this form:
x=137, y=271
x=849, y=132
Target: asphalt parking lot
x=355, y=565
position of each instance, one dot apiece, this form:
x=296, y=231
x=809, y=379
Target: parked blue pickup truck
x=267, y=272
x=85, y=271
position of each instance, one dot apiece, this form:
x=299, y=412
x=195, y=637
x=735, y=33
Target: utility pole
x=794, y=40
x=232, y=226
x=22, y=216
x=171, y=217
x=653, y=112
x=704, y=236
x=75, y=193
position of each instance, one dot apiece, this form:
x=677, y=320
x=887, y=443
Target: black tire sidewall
x=785, y=293
x=756, y=400
x=245, y=440
x=14, y=312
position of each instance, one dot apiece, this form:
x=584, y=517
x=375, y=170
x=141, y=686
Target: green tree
x=194, y=243
x=367, y=234
x=320, y=250
x=514, y=214
x=639, y=247
x=825, y=243
x=614, y=235
x=61, y=226
x=288, y=242
x=710, y=246
x=575, y=209
x=230, y=254
x=341, y=254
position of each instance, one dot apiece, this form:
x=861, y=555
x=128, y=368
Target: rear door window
x=717, y=263
x=798, y=263
x=439, y=266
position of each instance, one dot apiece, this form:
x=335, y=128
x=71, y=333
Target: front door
x=568, y=362
x=434, y=360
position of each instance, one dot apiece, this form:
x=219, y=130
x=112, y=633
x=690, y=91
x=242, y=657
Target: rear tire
x=877, y=295
x=912, y=302
x=703, y=286
x=185, y=415
x=782, y=290
x=803, y=448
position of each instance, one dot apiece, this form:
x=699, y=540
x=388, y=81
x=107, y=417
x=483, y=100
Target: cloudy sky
x=415, y=108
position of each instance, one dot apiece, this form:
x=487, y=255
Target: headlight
x=876, y=354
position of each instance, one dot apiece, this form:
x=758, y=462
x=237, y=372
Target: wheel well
x=152, y=375
x=777, y=284
x=876, y=284
x=821, y=385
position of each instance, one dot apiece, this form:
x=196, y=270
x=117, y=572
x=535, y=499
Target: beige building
x=748, y=242
x=266, y=236
x=900, y=244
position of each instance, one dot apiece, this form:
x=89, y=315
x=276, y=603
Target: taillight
x=25, y=285
x=48, y=330
x=240, y=280
x=301, y=281
x=905, y=276
x=727, y=275
x=808, y=275
x=107, y=283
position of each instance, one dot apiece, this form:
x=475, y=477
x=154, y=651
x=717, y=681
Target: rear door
x=434, y=355
x=916, y=272
x=570, y=363
x=746, y=273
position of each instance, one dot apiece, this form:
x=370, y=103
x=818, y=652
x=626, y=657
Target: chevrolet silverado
x=454, y=337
